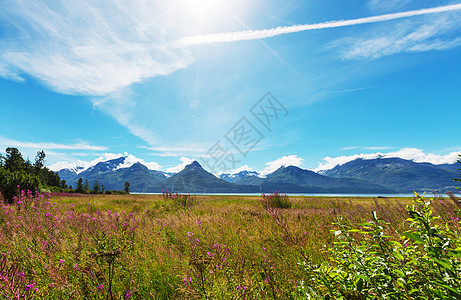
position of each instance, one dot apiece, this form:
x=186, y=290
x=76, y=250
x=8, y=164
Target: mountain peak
x=194, y=164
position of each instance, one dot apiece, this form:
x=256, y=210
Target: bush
x=423, y=262
x=10, y=182
x=276, y=200
x=179, y=200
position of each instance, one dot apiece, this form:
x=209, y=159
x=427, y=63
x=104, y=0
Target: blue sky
x=164, y=81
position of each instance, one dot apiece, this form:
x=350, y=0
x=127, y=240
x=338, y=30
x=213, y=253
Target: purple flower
x=100, y=287
x=128, y=294
x=30, y=286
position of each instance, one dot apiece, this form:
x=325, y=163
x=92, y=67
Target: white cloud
x=415, y=154
x=284, y=161
x=87, y=47
x=6, y=142
x=267, y=33
x=426, y=34
x=129, y=161
x=184, y=162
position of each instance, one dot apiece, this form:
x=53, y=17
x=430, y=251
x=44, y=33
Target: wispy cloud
x=246, y=35
x=6, y=142
x=85, y=47
x=414, y=154
x=431, y=33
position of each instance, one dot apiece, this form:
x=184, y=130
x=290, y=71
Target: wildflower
x=209, y=254
x=30, y=286
x=47, y=214
x=61, y=262
x=100, y=287
x=128, y=294
x=197, y=240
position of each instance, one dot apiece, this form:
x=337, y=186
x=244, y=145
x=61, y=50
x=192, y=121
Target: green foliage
x=423, y=262
x=276, y=200
x=80, y=186
x=15, y=171
x=127, y=187
x=10, y=182
x=458, y=179
x=178, y=200
x=96, y=188
x=86, y=186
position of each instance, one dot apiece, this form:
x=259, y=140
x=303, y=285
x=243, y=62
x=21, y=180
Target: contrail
x=246, y=35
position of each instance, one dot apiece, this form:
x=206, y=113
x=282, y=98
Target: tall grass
x=150, y=247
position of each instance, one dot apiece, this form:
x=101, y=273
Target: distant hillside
x=398, y=174
x=296, y=180
x=194, y=179
x=234, y=177
x=374, y=176
x=113, y=177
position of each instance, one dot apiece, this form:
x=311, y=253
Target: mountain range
x=361, y=176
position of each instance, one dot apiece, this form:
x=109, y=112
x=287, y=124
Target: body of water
x=307, y=195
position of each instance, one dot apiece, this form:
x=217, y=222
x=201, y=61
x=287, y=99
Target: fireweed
x=95, y=247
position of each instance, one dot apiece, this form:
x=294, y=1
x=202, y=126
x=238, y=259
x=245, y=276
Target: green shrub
x=422, y=262
x=275, y=200
x=11, y=182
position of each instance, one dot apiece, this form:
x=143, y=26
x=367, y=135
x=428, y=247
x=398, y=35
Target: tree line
x=17, y=173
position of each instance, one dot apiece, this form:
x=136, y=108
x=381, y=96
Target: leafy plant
x=275, y=200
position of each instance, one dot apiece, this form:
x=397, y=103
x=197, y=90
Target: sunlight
x=203, y=10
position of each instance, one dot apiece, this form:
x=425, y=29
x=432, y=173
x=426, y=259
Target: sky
x=234, y=84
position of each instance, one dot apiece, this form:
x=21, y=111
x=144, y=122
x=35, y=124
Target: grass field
x=156, y=247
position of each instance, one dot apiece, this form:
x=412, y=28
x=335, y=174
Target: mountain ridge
x=360, y=176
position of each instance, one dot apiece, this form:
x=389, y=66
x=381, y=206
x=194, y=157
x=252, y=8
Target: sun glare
x=203, y=10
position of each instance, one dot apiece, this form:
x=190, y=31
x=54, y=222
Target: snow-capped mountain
x=234, y=177
x=114, y=173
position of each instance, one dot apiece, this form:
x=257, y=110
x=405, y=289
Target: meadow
x=59, y=246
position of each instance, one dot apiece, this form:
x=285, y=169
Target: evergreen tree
x=40, y=160
x=79, y=186
x=96, y=187
x=127, y=187
x=13, y=161
x=458, y=179
x=86, y=185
